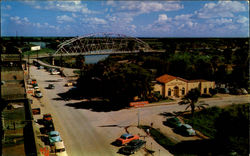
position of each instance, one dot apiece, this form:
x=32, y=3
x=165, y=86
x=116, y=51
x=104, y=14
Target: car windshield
x=123, y=137
x=47, y=115
x=60, y=150
x=53, y=135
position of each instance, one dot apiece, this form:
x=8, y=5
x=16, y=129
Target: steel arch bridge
x=101, y=44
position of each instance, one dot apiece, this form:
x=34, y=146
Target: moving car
x=126, y=138
x=173, y=122
x=185, y=129
x=60, y=149
x=38, y=93
x=132, y=147
x=54, y=137
x=51, y=86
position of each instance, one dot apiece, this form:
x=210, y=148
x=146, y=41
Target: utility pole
x=37, y=56
x=138, y=117
x=28, y=66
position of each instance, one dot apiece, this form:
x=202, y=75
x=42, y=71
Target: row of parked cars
x=234, y=91
x=131, y=144
x=53, y=71
x=54, y=139
x=179, y=127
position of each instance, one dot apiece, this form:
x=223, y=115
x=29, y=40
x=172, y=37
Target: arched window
x=183, y=91
x=169, y=92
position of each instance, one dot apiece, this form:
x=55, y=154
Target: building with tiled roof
x=172, y=86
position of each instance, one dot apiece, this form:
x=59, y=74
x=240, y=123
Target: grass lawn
x=159, y=137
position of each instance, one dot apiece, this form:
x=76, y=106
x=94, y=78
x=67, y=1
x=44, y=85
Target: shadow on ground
x=174, y=114
x=97, y=106
x=196, y=147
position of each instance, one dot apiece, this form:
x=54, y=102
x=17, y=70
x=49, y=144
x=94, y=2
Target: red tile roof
x=167, y=78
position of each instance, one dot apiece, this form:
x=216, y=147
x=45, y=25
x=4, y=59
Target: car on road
x=38, y=94
x=60, y=149
x=126, y=138
x=54, y=137
x=132, y=147
x=35, y=86
x=51, y=86
x=185, y=129
x=173, y=122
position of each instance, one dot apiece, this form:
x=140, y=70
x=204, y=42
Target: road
x=87, y=132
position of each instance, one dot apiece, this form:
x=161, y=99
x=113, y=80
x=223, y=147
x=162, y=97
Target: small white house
x=34, y=48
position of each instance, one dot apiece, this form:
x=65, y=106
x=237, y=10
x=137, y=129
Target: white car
x=55, y=72
x=38, y=93
x=60, y=149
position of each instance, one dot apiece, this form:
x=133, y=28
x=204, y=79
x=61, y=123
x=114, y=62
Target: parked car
x=55, y=72
x=47, y=117
x=33, y=81
x=35, y=86
x=185, y=129
x=223, y=90
x=173, y=122
x=132, y=147
x=60, y=149
x=51, y=86
x=40, y=67
x=38, y=94
x=244, y=91
x=54, y=137
x=69, y=84
x=126, y=138
x=48, y=126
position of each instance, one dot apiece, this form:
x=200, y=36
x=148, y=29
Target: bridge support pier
x=53, y=61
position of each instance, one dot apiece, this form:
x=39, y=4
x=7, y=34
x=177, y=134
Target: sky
x=131, y=18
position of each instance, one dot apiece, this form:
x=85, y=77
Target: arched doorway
x=176, y=91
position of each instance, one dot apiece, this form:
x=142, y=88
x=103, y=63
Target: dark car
x=185, y=130
x=132, y=147
x=173, y=122
x=48, y=126
x=51, y=86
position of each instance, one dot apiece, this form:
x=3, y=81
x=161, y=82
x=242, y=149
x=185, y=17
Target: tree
x=191, y=99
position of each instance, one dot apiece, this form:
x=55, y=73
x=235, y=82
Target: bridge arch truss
x=102, y=43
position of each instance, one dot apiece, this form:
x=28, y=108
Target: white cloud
x=220, y=21
x=147, y=7
x=162, y=17
x=64, y=18
x=69, y=6
x=94, y=21
x=242, y=19
x=183, y=17
x=74, y=15
x=221, y=9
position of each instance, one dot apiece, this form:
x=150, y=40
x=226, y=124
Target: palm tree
x=191, y=99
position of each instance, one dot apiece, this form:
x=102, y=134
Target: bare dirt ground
x=88, y=132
